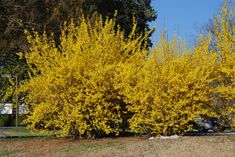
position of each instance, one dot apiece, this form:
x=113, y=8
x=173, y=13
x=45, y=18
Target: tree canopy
x=49, y=16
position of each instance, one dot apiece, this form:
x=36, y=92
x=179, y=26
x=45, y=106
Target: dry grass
x=216, y=146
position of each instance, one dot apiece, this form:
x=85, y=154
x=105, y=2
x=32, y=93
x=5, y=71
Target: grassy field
x=22, y=132
x=187, y=146
x=18, y=132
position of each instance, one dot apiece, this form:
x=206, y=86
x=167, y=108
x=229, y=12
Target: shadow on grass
x=23, y=132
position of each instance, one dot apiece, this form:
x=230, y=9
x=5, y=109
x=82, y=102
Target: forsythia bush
x=72, y=86
x=174, y=85
x=225, y=48
x=83, y=86
x=170, y=89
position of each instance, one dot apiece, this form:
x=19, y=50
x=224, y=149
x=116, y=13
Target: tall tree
x=43, y=15
x=49, y=16
x=127, y=9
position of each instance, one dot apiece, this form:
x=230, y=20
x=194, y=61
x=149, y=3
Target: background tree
x=127, y=9
x=49, y=16
x=15, y=16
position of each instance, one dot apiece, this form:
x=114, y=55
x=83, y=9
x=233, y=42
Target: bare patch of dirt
x=216, y=146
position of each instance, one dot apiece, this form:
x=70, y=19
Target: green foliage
x=49, y=16
x=15, y=16
x=9, y=119
x=8, y=81
x=4, y=84
x=127, y=9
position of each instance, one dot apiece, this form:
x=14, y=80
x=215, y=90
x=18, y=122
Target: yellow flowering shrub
x=225, y=48
x=96, y=77
x=71, y=87
x=170, y=88
x=174, y=85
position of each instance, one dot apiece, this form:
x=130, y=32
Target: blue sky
x=185, y=17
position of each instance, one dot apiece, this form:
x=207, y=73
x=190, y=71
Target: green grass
x=22, y=132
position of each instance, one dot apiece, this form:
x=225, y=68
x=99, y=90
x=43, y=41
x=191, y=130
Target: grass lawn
x=22, y=132
x=187, y=146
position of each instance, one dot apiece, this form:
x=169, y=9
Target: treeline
x=97, y=76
